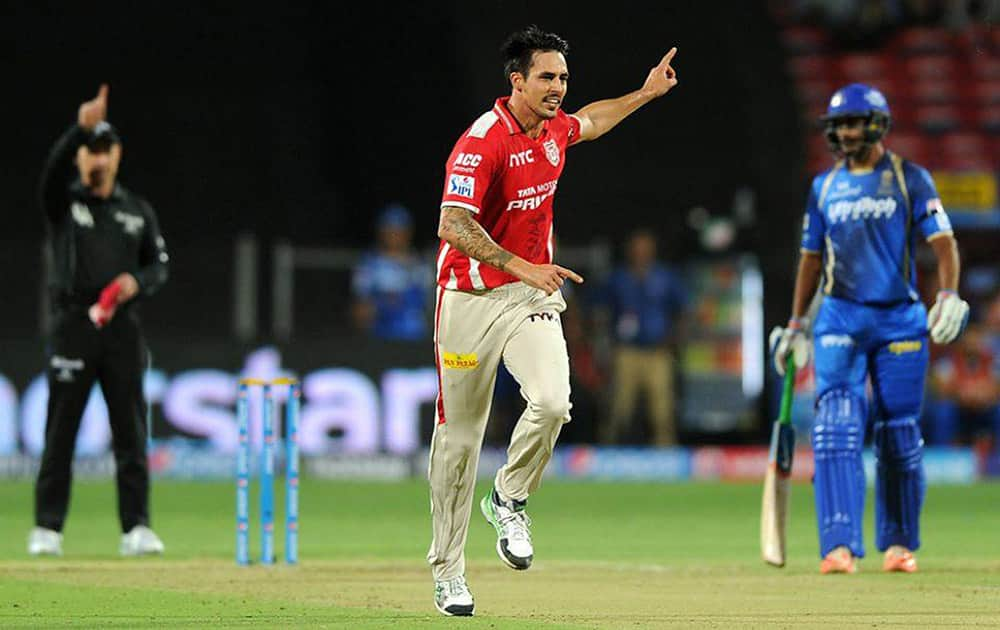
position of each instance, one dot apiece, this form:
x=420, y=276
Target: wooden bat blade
x=774, y=504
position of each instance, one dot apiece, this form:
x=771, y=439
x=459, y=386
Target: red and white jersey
x=507, y=180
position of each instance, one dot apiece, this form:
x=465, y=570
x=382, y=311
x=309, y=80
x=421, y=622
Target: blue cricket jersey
x=865, y=225
x=400, y=291
x=644, y=309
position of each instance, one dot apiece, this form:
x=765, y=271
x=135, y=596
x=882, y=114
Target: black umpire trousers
x=115, y=357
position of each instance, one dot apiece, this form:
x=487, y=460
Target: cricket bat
x=774, y=506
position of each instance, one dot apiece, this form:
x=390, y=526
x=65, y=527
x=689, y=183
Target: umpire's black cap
x=102, y=137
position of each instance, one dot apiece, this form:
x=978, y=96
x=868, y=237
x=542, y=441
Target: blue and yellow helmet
x=857, y=100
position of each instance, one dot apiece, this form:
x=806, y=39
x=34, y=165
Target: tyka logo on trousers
x=543, y=316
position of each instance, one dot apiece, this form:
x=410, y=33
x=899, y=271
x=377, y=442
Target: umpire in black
x=106, y=253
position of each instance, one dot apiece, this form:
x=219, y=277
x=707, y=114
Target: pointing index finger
x=102, y=92
x=569, y=273
x=667, y=57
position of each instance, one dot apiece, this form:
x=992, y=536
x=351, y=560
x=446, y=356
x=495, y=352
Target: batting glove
x=792, y=340
x=948, y=317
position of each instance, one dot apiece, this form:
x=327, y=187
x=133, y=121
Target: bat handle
x=788, y=389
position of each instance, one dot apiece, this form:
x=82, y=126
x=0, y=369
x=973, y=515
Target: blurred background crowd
x=295, y=157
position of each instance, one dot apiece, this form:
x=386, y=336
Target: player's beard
x=858, y=154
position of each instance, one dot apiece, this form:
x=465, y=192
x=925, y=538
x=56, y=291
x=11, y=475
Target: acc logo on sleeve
x=462, y=185
x=470, y=160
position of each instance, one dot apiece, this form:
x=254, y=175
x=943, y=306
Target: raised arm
x=58, y=169
x=53, y=194
x=599, y=117
x=459, y=229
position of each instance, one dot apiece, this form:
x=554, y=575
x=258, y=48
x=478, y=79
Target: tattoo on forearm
x=471, y=239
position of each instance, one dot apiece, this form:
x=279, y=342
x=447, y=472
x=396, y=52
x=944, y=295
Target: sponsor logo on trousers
x=836, y=341
x=542, y=316
x=456, y=361
x=65, y=367
x=903, y=347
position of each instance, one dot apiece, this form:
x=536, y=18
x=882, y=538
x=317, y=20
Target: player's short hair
x=522, y=45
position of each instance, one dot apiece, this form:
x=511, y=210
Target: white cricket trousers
x=473, y=332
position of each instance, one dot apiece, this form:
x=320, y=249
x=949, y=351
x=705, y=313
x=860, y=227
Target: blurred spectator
x=588, y=379
x=862, y=23
x=644, y=300
x=966, y=381
x=852, y=18
x=992, y=309
x=391, y=285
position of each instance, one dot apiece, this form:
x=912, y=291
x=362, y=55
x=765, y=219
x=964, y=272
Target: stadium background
x=269, y=139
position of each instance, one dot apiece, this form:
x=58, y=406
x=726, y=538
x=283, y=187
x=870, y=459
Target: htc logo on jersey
x=864, y=208
x=522, y=158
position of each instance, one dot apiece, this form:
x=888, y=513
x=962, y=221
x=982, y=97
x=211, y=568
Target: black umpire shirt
x=93, y=240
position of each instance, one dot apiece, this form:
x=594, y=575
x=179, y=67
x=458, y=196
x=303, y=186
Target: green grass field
x=606, y=556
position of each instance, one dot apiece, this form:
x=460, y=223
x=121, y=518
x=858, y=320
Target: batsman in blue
x=863, y=219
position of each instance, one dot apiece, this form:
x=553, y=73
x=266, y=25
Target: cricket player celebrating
x=499, y=298
x=860, y=229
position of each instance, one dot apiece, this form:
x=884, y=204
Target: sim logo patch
x=455, y=361
x=904, y=347
x=462, y=185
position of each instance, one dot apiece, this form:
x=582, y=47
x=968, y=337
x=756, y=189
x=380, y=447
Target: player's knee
x=898, y=443
x=840, y=422
x=450, y=442
x=904, y=403
x=553, y=407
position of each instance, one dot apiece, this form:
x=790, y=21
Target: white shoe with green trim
x=512, y=523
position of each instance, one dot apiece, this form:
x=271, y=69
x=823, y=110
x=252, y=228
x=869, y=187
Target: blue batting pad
x=837, y=437
x=899, y=482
